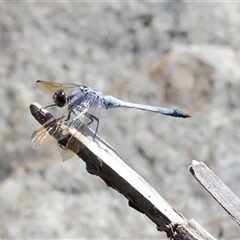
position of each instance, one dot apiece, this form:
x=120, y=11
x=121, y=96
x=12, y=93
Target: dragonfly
x=82, y=106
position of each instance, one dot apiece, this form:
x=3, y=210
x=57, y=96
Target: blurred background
x=183, y=55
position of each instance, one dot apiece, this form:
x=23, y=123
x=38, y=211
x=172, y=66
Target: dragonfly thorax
x=59, y=98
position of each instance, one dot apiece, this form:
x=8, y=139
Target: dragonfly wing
x=95, y=112
x=74, y=146
x=102, y=114
x=50, y=132
x=84, y=117
x=52, y=87
x=67, y=154
x=41, y=137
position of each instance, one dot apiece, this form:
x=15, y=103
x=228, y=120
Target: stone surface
x=183, y=55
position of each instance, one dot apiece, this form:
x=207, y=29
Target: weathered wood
x=103, y=161
x=218, y=190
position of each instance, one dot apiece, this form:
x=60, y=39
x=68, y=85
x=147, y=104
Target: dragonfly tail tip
x=181, y=114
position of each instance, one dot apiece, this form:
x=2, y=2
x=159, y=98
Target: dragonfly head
x=60, y=98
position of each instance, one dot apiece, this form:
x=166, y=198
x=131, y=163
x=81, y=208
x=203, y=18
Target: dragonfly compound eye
x=59, y=98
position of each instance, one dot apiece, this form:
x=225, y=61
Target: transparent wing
x=42, y=137
x=52, y=87
x=102, y=114
x=91, y=113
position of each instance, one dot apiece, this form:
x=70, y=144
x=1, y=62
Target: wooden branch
x=218, y=190
x=101, y=160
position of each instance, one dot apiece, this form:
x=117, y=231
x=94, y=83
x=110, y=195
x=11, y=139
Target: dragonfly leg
x=69, y=115
x=92, y=118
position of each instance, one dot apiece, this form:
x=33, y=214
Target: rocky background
x=183, y=55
